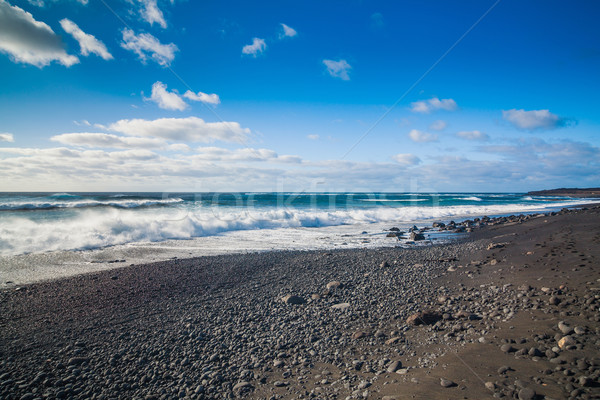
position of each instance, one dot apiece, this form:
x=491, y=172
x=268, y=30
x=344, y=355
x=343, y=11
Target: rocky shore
x=511, y=311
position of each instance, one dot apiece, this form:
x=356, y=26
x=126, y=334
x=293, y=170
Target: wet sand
x=226, y=326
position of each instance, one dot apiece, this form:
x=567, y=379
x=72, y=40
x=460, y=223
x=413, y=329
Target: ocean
x=49, y=235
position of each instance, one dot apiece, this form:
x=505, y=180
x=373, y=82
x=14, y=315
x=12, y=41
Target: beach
x=509, y=311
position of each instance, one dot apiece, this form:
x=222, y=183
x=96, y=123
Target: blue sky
x=286, y=95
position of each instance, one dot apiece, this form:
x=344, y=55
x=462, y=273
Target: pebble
x=446, y=383
x=291, y=299
x=526, y=394
x=394, y=366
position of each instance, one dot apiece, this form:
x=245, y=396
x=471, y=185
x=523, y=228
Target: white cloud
x=191, y=129
x=145, y=45
x=438, y=125
x=517, y=166
x=287, y=31
x=151, y=13
x=535, y=119
x=472, y=135
x=313, y=137
x=42, y=3
x=106, y=140
x=406, y=159
x=242, y=155
x=88, y=43
x=29, y=41
x=165, y=99
x=427, y=106
x=257, y=47
x=7, y=137
x=421, y=136
x=338, y=69
x=202, y=97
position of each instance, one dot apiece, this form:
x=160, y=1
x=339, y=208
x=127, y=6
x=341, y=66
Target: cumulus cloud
x=421, y=136
x=29, y=41
x=406, y=159
x=338, y=69
x=472, y=135
x=165, y=99
x=202, y=97
x=7, y=137
x=106, y=140
x=287, y=31
x=434, y=104
x=534, y=119
x=151, y=13
x=191, y=129
x=145, y=45
x=438, y=125
x=257, y=47
x=88, y=43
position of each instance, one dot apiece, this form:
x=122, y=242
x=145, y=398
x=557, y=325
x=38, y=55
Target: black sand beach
x=509, y=312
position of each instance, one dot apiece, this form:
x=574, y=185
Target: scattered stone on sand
x=423, y=318
x=333, y=285
x=291, y=299
x=446, y=383
x=341, y=306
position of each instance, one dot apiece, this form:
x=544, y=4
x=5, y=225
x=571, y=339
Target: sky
x=404, y=96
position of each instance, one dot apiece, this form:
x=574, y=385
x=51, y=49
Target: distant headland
x=568, y=192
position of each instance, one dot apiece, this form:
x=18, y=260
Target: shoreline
x=55, y=265
x=216, y=327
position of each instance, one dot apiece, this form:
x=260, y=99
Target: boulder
x=416, y=236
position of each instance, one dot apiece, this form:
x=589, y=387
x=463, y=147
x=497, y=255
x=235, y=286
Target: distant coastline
x=568, y=192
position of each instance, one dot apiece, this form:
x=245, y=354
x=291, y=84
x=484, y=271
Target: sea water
x=51, y=235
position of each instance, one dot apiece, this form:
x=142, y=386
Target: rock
x=341, y=306
x=416, y=236
x=554, y=301
x=423, y=318
x=493, y=246
x=394, y=366
x=280, y=384
x=490, y=385
x=566, y=341
x=28, y=396
x=393, y=340
x=507, y=348
x=291, y=299
x=585, y=381
x=493, y=262
x=242, y=386
x=526, y=394
x=504, y=369
x=579, y=330
x=535, y=352
x=334, y=285
x=77, y=360
x=564, y=328
x=385, y=264
x=446, y=383
x=394, y=229
x=359, y=334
